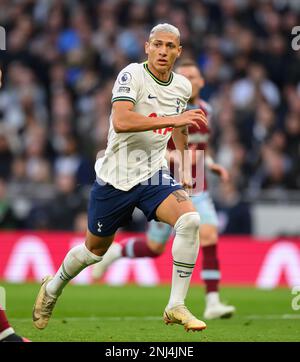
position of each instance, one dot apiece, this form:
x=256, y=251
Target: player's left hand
x=187, y=182
x=220, y=171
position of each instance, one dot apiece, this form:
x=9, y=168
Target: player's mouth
x=162, y=61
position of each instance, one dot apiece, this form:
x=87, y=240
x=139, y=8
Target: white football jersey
x=133, y=157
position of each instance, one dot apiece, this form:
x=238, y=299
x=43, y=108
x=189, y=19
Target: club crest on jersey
x=178, y=104
x=125, y=78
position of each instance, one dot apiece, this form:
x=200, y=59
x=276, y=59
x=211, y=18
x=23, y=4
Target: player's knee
x=208, y=235
x=188, y=223
x=156, y=248
x=83, y=255
x=98, y=245
x=97, y=249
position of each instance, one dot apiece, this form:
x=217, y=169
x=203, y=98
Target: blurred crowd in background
x=61, y=61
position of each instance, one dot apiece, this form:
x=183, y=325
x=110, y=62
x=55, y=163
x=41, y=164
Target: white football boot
x=43, y=306
x=215, y=308
x=181, y=315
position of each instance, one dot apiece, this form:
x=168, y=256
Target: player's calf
x=184, y=251
x=77, y=259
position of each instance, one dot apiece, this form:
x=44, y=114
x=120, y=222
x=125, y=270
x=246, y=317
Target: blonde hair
x=165, y=28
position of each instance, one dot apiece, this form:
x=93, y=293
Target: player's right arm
x=125, y=119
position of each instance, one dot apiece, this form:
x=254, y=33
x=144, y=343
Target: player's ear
x=147, y=47
x=179, y=51
x=201, y=82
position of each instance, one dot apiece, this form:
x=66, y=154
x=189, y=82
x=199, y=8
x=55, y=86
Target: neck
x=161, y=76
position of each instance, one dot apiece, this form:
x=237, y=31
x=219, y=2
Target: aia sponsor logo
x=296, y=300
x=296, y=40
x=162, y=131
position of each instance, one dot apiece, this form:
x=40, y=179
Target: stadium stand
x=58, y=68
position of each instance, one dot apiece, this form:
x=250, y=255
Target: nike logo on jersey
x=151, y=97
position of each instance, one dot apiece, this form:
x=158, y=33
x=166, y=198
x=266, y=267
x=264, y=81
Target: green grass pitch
x=133, y=313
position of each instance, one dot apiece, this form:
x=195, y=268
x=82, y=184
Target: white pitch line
x=96, y=319
x=157, y=318
x=274, y=316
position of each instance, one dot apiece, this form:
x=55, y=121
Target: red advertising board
x=243, y=260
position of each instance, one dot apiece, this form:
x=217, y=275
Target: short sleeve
x=127, y=85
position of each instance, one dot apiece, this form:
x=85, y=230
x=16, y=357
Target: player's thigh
x=98, y=244
x=159, y=232
x=108, y=209
x=157, y=236
x=208, y=218
x=206, y=208
x=156, y=247
x=174, y=206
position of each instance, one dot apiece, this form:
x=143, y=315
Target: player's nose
x=163, y=51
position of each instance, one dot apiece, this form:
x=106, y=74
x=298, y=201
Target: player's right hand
x=192, y=117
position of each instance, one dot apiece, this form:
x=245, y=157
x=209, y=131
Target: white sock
x=185, y=252
x=212, y=298
x=113, y=253
x=77, y=259
x=129, y=247
x=7, y=332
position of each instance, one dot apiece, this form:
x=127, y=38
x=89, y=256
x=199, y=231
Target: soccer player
x=7, y=333
x=158, y=233
x=148, y=102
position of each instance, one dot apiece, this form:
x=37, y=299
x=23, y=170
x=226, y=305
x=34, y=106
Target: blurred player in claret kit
x=158, y=234
x=133, y=172
x=7, y=333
